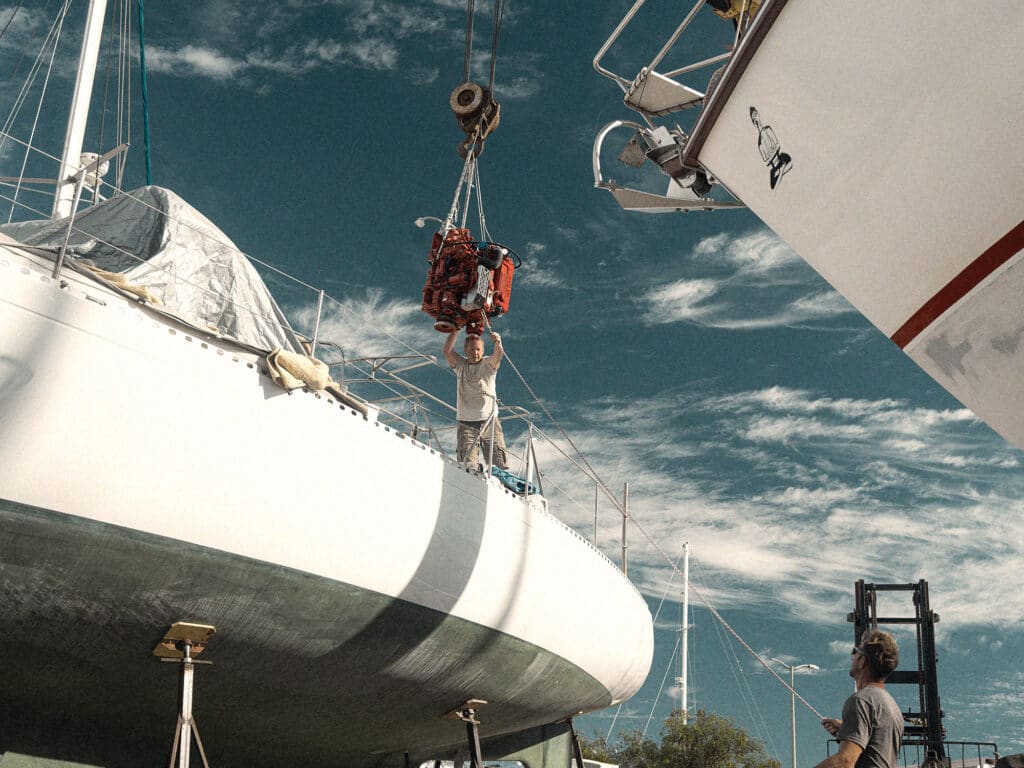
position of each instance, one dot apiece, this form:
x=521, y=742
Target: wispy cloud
x=191, y=60
x=228, y=40
x=743, y=283
x=373, y=325
x=803, y=494
x=538, y=269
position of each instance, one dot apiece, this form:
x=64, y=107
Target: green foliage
x=706, y=741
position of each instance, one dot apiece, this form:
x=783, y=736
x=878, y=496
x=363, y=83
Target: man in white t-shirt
x=477, y=399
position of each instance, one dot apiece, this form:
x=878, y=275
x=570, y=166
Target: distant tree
x=706, y=741
x=596, y=749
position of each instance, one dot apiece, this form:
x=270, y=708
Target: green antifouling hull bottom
x=306, y=671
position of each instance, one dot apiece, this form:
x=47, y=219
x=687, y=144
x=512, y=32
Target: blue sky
x=752, y=410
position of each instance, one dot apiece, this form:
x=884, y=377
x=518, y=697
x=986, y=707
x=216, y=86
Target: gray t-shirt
x=476, y=393
x=872, y=720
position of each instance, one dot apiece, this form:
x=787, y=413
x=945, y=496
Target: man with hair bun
x=871, y=730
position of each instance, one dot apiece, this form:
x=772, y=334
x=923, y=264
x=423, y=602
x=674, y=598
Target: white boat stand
x=183, y=640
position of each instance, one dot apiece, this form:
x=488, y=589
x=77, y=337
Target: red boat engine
x=467, y=282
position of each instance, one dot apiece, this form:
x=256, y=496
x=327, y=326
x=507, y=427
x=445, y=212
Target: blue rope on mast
x=145, y=95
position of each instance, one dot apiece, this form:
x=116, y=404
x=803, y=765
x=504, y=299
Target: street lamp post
x=792, y=699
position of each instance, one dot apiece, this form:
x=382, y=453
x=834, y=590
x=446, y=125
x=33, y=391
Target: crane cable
x=468, y=56
x=467, y=59
x=499, y=12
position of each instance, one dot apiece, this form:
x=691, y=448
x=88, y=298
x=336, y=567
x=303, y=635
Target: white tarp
x=157, y=240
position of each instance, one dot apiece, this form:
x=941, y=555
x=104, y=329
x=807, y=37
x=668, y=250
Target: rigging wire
x=700, y=595
x=55, y=32
x=125, y=119
x=741, y=680
x=145, y=94
x=103, y=111
x=661, y=688
x=13, y=14
x=657, y=613
x=650, y=539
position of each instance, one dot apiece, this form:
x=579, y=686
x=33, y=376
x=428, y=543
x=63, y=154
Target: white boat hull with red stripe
x=903, y=184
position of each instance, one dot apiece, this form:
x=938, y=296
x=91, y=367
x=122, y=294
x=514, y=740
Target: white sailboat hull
x=904, y=180
x=362, y=585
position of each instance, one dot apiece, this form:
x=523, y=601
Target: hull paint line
x=969, y=278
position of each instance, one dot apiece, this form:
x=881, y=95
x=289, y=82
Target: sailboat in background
x=882, y=146
x=169, y=451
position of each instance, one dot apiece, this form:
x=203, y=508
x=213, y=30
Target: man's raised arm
x=449, y=349
x=499, y=351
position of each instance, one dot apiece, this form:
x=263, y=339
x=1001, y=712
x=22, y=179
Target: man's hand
x=831, y=725
x=499, y=351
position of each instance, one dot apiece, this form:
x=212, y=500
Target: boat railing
x=958, y=754
x=383, y=381
x=653, y=94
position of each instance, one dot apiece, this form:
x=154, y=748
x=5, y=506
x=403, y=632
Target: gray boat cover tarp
x=157, y=240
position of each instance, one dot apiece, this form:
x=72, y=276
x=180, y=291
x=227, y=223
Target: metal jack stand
x=577, y=751
x=467, y=714
x=178, y=646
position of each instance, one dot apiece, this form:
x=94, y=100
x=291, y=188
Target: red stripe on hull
x=983, y=266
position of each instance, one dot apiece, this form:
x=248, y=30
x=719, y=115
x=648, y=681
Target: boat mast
x=686, y=627
x=72, y=158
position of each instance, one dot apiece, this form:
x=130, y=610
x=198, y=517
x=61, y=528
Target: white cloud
x=193, y=60
x=745, y=283
x=538, y=269
x=755, y=254
x=681, y=300
x=819, y=492
x=374, y=326
x=516, y=88
x=228, y=40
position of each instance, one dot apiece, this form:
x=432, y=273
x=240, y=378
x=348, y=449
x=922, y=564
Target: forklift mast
x=923, y=727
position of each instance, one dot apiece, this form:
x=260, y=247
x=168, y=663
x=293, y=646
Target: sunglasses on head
x=857, y=650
